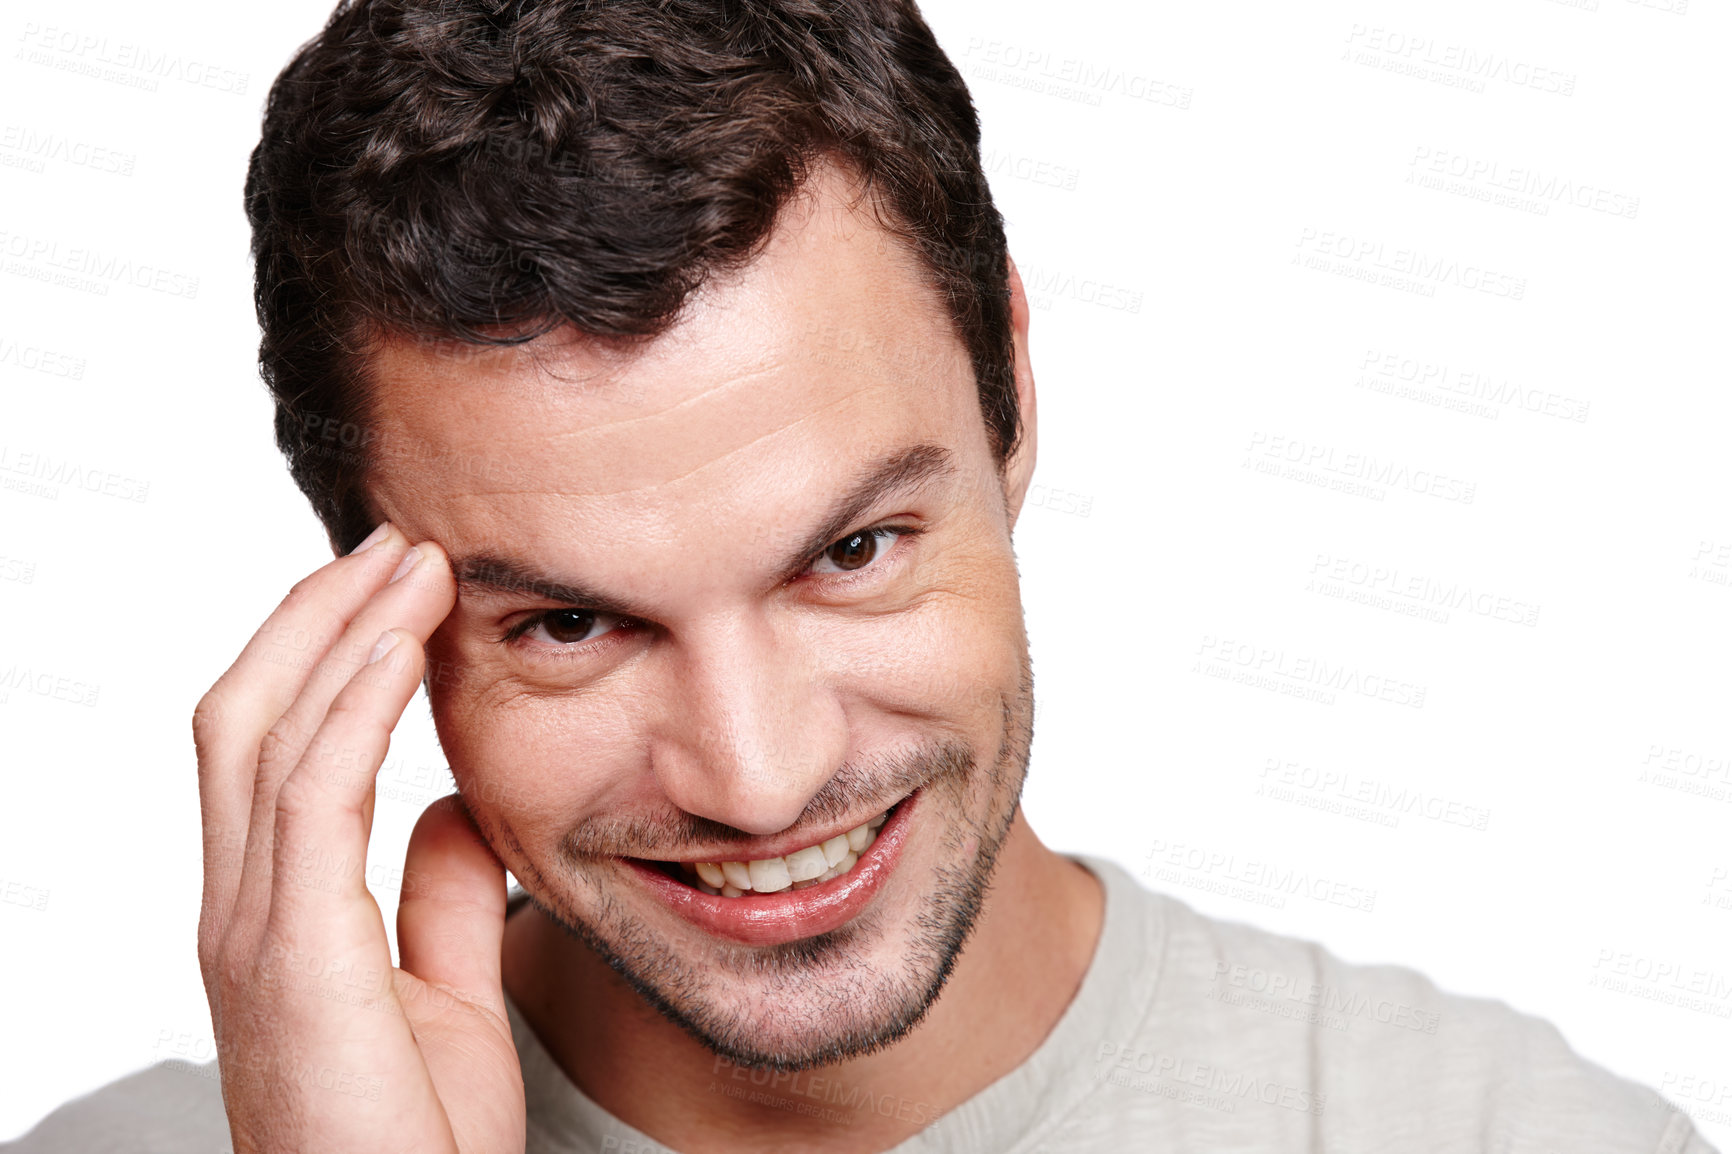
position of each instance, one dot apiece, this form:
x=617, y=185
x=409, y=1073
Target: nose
x=751, y=733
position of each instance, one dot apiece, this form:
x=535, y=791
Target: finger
x=367, y=811
x=418, y=595
x=235, y=714
x=450, y=931
x=451, y=916
x=317, y=887
x=415, y=602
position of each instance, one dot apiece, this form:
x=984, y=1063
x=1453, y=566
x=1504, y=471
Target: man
x=660, y=375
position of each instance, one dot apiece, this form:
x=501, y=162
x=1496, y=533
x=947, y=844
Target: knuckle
x=353, y=712
x=300, y=594
x=292, y=801
x=219, y=959
x=234, y=972
x=282, y=743
x=358, y=737
x=207, y=721
x=209, y=948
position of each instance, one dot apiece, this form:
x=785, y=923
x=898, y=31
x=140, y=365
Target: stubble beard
x=820, y=1000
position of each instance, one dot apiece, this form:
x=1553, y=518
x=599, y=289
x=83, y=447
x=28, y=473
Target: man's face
x=722, y=596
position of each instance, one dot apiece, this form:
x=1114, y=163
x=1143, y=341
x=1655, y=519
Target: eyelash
x=899, y=531
x=625, y=624
x=534, y=619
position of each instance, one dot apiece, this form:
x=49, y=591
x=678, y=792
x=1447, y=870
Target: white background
x=1210, y=203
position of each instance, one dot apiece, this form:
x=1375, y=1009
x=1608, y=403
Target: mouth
x=801, y=869
x=807, y=891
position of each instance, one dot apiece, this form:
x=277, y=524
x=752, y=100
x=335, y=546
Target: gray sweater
x=1187, y=1034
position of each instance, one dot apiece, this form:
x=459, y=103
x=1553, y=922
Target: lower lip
x=787, y=916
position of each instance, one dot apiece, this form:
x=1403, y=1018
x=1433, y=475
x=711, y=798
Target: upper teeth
x=797, y=870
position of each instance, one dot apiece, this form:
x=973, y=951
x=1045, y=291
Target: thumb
x=451, y=916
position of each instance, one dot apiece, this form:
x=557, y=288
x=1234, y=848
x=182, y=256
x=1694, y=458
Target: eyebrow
x=901, y=471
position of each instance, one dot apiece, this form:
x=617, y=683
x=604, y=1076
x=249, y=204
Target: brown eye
x=569, y=625
x=856, y=551
x=853, y=552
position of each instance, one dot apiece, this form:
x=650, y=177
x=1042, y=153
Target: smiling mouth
x=801, y=869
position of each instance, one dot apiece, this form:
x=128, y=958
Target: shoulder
x=170, y=1108
x=1382, y=1050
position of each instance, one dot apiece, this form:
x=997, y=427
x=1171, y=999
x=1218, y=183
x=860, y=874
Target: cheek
x=950, y=656
x=535, y=764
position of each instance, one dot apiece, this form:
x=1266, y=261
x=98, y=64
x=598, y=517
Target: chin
x=844, y=993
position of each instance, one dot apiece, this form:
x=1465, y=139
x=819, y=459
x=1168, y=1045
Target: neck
x=1032, y=943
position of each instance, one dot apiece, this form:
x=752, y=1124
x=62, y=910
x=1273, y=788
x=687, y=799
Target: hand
x=323, y=1045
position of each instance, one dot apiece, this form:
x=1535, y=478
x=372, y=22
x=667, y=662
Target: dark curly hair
x=485, y=171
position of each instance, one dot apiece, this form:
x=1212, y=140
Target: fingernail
x=373, y=538
x=406, y=564
x=387, y=640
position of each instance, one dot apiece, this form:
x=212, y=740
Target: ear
x=1019, y=469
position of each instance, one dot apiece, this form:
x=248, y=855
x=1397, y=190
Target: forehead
x=830, y=347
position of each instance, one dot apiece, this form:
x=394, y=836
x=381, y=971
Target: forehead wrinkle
x=639, y=418
x=651, y=486
x=553, y=386
x=744, y=445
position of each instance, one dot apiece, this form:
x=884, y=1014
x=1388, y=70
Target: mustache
x=881, y=782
